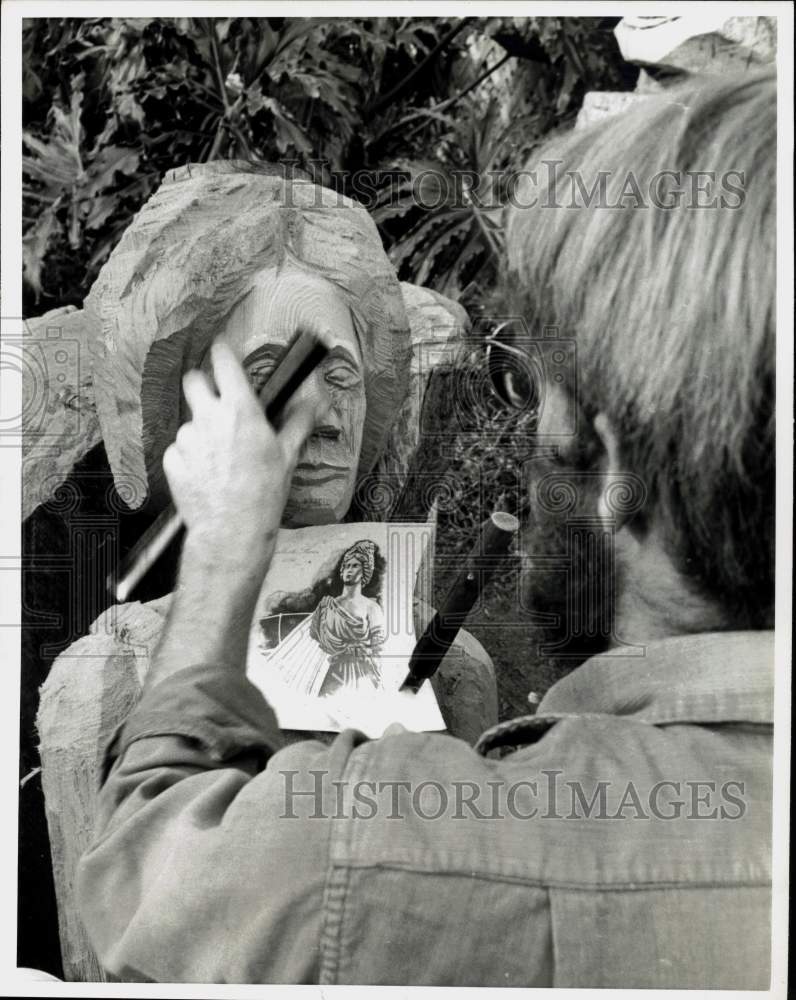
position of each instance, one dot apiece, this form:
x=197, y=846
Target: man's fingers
x=186, y=438
x=394, y=729
x=228, y=373
x=174, y=468
x=199, y=393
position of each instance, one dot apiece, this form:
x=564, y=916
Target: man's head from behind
x=650, y=241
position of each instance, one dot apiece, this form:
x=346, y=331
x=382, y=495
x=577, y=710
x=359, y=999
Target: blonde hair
x=673, y=313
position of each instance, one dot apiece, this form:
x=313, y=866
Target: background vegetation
x=109, y=104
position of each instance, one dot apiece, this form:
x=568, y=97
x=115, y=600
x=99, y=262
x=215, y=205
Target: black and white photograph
x=396, y=427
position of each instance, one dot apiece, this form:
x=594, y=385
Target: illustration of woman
x=350, y=628
x=335, y=646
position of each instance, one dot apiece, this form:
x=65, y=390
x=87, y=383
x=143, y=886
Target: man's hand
x=229, y=471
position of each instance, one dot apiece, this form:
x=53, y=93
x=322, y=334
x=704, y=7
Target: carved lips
x=315, y=474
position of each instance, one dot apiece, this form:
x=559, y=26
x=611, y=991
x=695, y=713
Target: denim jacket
x=621, y=838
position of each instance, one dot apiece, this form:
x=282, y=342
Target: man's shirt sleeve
x=211, y=848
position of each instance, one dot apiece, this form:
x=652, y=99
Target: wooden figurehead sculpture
x=224, y=250
x=221, y=250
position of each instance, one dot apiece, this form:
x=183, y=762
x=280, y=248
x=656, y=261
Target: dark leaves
x=110, y=103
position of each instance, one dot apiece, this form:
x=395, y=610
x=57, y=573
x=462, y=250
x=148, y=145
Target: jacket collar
x=714, y=677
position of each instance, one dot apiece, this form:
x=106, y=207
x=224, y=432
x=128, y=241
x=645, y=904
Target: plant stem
x=406, y=83
x=487, y=72
x=488, y=236
x=222, y=87
x=445, y=105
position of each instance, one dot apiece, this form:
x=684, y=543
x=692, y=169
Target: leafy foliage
x=450, y=206
x=109, y=104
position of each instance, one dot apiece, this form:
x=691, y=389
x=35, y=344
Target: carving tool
x=486, y=556
x=300, y=358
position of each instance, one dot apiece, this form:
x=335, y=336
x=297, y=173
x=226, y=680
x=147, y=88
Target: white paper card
x=333, y=630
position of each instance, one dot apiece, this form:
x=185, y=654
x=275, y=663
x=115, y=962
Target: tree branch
x=487, y=72
x=523, y=48
x=407, y=81
x=222, y=88
x=445, y=105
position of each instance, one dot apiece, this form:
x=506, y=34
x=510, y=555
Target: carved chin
x=318, y=502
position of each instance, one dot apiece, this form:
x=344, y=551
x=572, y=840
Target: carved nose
x=315, y=392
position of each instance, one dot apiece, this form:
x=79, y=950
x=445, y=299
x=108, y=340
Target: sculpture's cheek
x=326, y=475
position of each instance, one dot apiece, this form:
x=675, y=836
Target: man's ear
x=610, y=467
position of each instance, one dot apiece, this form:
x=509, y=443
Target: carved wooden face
x=257, y=329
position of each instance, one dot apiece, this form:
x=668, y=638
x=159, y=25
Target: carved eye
x=343, y=376
x=259, y=374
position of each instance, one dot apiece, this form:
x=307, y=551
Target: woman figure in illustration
x=335, y=650
x=350, y=628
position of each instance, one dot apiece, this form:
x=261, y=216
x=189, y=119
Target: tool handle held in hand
x=302, y=355
x=490, y=549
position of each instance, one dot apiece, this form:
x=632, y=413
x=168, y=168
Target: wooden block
x=705, y=41
x=90, y=690
x=600, y=104
x=438, y=328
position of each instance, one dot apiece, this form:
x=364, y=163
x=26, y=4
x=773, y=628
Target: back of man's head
x=650, y=238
